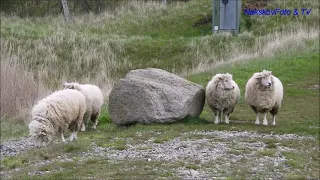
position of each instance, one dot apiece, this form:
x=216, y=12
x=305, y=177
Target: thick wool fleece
x=94, y=100
x=58, y=112
x=222, y=96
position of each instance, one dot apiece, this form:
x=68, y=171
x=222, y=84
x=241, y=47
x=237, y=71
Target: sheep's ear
x=65, y=84
x=258, y=77
x=43, y=133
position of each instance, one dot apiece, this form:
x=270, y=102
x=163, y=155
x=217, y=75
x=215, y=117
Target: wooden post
x=66, y=10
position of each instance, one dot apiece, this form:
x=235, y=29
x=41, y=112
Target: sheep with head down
x=264, y=93
x=55, y=114
x=222, y=94
x=94, y=101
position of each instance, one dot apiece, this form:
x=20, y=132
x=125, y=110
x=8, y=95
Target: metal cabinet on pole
x=226, y=16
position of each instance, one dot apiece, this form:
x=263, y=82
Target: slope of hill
x=99, y=49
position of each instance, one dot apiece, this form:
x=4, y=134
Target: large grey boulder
x=154, y=96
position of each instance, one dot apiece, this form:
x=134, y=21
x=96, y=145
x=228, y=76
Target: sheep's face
x=69, y=86
x=41, y=138
x=265, y=78
x=226, y=82
x=39, y=132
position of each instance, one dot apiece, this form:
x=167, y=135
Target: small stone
x=194, y=173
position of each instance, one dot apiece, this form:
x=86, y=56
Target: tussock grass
x=100, y=49
x=15, y=86
x=246, y=47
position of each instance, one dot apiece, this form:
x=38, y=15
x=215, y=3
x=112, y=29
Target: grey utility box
x=226, y=16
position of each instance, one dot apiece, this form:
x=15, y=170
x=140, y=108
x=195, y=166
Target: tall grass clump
x=19, y=91
x=246, y=47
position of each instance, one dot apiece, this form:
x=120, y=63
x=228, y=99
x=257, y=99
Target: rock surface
x=154, y=96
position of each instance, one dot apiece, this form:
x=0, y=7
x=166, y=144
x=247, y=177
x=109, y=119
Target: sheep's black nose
x=269, y=84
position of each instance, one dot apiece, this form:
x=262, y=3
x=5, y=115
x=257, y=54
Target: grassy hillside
x=137, y=35
x=38, y=54
x=100, y=49
x=299, y=72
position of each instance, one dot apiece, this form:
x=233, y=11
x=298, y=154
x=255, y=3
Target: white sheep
x=264, y=93
x=94, y=99
x=58, y=112
x=222, y=94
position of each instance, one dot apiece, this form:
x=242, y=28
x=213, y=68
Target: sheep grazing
x=264, y=93
x=222, y=95
x=58, y=112
x=94, y=100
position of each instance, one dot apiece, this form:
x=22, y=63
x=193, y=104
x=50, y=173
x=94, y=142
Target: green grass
x=105, y=47
x=11, y=130
x=298, y=72
x=267, y=152
x=138, y=36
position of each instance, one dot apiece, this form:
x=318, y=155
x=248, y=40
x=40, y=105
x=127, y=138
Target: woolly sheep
x=94, y=100
x=222, y=95
x=264, y=93
x=58, y=112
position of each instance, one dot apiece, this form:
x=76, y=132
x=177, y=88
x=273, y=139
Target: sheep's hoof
x=273, y=124
x=265, y=124
x=257, y=123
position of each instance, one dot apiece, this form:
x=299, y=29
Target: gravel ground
x=16, y=147
x=214, y=152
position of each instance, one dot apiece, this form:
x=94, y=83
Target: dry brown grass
x=266, y=46
x=18, y=92
x=96, y=49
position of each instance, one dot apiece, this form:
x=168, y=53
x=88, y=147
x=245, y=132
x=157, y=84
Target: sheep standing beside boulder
x=264, y=93
x=222, y=95
x=57, y=113
x=94, y=100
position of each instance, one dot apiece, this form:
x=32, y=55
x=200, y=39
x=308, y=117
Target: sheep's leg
x=87, y=115
x=274, y=120
x=227, y=119
x=73, y=136
x=265, y=122
x=62, y=137
x=257, y=119
x=94, y=119
x=217, y=119
x=83, y=127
